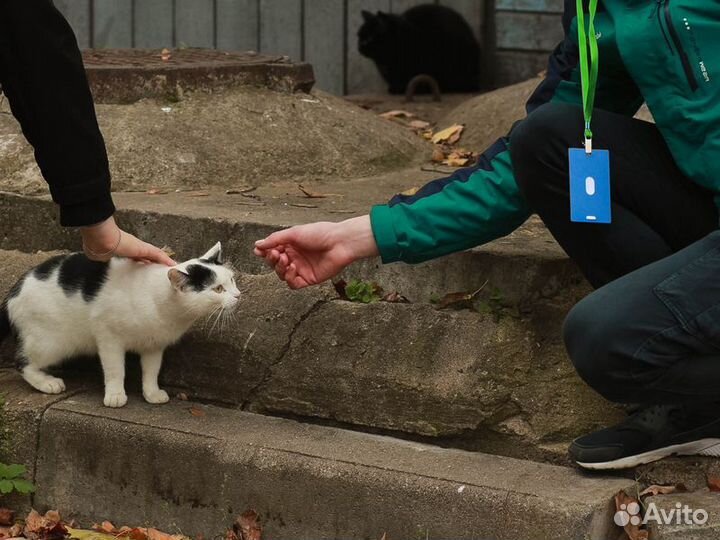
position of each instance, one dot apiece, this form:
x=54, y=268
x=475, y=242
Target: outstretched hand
x=310, y=254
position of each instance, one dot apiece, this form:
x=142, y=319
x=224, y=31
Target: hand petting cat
x=103, y=241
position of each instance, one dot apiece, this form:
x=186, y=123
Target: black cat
x=427, y=39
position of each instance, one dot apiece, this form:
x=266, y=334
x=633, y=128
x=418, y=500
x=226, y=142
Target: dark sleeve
x=42, y=75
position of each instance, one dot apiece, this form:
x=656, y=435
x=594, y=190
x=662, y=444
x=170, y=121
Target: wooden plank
x=550, y=6
x=401, y=6
x=154, y=23
x=514, y=66
x=324, y=43
x=194, y=23
x=472, y=10
x=112, y=23
x=362, y=75
x=237, y=25
x=528, y=31
x=281, y=27
x=77, y=13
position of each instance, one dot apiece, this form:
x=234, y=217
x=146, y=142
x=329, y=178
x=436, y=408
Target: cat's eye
x=219, y=289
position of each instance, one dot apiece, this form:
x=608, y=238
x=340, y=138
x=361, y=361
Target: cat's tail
x=5, y=324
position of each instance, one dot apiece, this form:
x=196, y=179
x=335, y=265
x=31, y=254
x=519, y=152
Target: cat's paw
x=115, y=400
x=51, y=385
x=157, y=396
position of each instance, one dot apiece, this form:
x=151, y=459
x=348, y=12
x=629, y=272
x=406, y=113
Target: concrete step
x=459, y=378
x=523, y=267
x=193, y=473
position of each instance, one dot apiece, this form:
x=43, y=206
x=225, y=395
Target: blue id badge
x=589, y=186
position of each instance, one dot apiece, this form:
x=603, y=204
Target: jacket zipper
x=692, y=81
x=662, y=28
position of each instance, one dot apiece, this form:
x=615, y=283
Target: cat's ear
x=179, y=279
x=367, y=16
x=214, y=255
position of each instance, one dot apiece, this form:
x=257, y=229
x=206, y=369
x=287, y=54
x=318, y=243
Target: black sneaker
x=649, y=435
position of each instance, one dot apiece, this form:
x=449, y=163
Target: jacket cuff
x=87, y=212
x=383, y=230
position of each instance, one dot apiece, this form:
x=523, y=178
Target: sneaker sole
x=703, y=447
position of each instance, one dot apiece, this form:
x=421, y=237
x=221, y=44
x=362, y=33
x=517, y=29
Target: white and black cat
x=71, y=306
x=425, y=40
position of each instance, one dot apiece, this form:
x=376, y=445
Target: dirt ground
x=246, y=136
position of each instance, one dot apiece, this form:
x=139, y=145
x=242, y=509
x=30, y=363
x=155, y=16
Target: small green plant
x=363, y=291
x=12, y=479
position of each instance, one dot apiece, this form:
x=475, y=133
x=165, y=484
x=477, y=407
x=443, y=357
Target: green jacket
x=662, y=52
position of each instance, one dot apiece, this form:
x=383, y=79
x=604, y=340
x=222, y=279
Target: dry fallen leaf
x=438, y=156
x=626, y=503
x=182, y=396
x=449, y=135
x=340, y=289
x=395, y=298
x=713, y=483
x=156, y=191
x=419, y=125
x=247, y=526
x=197, y=412
x=7, y=517
x=459, y=300
x=397, y=114
x=655, y=490
x=47, y=527
x=409, y=192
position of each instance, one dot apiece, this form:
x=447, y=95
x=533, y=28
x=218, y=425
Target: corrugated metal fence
x=321, y=32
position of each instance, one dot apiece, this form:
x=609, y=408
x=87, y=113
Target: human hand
x=103, y=241
x=310, y=254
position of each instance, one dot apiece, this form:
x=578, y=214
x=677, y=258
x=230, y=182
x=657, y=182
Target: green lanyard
x=588, y=69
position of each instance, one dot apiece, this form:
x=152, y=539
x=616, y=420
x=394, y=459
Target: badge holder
x=590, y=200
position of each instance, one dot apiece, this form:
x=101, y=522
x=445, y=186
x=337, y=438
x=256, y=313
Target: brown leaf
x=197, y=412
x=655, y=490
x=154, y=534
x=340, y=289
x=449, y=135
x=459, y=300
x=182, y=396
x=713, y=483
x=419, y=124
x=7, y=516
x=105, y=527
x=247, y=526
x=397, y=114
x=165, y=55
x=625, y=503
x=395, y=298
x=156, y=191
x=438, y=156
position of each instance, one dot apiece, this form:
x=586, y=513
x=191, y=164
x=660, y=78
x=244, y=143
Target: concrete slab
x=165, y=466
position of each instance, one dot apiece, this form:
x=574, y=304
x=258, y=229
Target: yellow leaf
x=450, y=135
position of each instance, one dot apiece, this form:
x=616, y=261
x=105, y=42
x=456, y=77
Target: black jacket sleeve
x=42, y=75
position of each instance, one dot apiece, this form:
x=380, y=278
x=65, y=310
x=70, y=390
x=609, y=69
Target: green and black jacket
x=662, y=52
